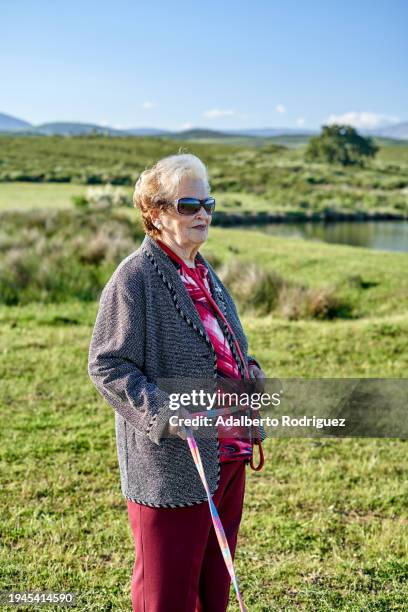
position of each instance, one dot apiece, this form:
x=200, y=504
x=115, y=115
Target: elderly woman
x=164, y=313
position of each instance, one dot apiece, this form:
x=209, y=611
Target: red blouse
x=231, y=448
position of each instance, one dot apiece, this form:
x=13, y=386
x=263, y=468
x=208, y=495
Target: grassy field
x=269, y=177
x=382, y=277
x=325, y=523
x=24, y=196
x=339, y=543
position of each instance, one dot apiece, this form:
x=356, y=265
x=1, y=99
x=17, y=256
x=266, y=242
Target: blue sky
x=219, y=64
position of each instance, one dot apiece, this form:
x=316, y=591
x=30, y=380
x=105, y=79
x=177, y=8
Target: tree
x=340, y=144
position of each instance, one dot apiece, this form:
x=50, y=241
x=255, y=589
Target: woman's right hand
x=179, y=430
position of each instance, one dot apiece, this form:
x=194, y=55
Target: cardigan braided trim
x=209, y=343
x=143, y=503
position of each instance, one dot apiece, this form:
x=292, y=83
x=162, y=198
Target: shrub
x=252, y=286
x=55, y=255
x=265, y=291
x=103, y=197
x=106, y=196
x=80, y=201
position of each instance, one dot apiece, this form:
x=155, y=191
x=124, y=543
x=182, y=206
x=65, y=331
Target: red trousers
x=178, y=563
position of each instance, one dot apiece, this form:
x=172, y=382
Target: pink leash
x=219, y=529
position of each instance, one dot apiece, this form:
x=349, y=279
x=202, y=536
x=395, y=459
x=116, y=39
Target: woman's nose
x=202, y=213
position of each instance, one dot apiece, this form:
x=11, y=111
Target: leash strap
x=219, y=529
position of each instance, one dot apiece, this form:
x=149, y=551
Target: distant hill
x=73, y=129
x=292, y=140
x=146, y=132
x=397, y=131
x=271, y=132
x=12, y=124
x=198, y=133
x=291, y=136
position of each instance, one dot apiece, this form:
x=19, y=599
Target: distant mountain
x=397, y=131
x=12, y=124
x=271, y=132
x=146, y=132
x=198, y=133
x=73, y=129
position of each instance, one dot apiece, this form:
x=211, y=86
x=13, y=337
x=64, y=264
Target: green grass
x=339, y=543
x=395, y=153
x=325, y=523
x=384, y=274
x=55, y=255
x=24, y=196
x=374, y=347
x=270, y=177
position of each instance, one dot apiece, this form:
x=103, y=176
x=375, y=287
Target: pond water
x=382, y=235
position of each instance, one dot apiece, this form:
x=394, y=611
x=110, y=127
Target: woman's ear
x=154, y=216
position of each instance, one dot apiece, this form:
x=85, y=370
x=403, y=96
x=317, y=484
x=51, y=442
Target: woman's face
x=187, y=230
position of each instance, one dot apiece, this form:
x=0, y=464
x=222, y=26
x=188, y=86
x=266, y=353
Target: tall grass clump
x=103, y=197
x=264, y=291
x=55, y=255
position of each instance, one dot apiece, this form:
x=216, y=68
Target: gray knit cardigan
x=147, y=328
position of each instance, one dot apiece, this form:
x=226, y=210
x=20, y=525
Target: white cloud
x=215, y=113
x=280, y=108
x=187, y=126
x=104, y=122
x=364, y=120
x=300, y=121
x=148, y=105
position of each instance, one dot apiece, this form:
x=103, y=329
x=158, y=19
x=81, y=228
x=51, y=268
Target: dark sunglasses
x=191, y=206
